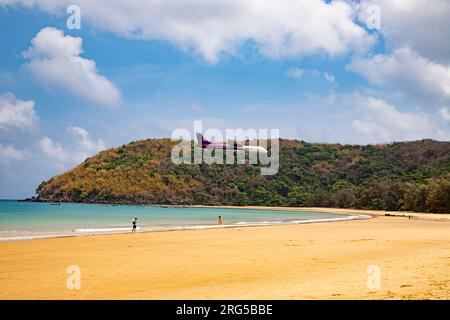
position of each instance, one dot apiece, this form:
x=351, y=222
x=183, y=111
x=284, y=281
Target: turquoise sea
x=25, y=220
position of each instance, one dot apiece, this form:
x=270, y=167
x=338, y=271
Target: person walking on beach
x=134, y=222
x=220, y=221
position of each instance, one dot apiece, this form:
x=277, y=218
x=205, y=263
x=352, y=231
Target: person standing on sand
x=220, y=221
x=134, y=222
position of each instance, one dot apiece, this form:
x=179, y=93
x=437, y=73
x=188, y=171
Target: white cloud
x=295, y=73
x=79, y=132
x=54, y=150
x=408, y=72
x=85, y=142
x=9, y=153
x=55, y=60
x=16, y=114
x=328, y=76
x=299, y=73
x=445, y=114
x=280, y=29
x=84, y=147
x=422, y=25
x=382, y=122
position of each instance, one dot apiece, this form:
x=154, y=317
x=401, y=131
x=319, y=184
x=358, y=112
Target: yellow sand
x=309, y=261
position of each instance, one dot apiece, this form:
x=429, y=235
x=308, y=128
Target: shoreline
x=424, y=215
x=346, y=217
x=445, y=216
x=350, y=214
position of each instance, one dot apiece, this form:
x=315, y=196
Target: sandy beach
x=327, y=260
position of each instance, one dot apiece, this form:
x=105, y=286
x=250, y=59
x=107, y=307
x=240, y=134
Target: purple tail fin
x=202, y=141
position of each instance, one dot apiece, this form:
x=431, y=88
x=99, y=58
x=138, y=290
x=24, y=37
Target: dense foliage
x=413, y=176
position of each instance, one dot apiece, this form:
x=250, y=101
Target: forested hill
x=413, y=176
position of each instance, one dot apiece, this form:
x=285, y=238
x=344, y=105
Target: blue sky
x=66, y=94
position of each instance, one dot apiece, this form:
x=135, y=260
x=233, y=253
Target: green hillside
x=413, y=176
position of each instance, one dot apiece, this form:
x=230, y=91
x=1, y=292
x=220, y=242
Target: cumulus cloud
x=9, y=153
x=55, y=60
x=299, y=73
x=16, y=113
x=408, y=72
x=419, y=24
x=382, y=122
x=85, y=142
x=54, y=150
x=277, y=29
x=84, y=147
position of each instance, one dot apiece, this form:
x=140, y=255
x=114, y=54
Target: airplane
x=205, y=144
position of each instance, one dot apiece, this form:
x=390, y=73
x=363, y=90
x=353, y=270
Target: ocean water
x=25, y=220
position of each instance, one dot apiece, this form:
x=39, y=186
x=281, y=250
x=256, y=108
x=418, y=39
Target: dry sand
x=326, y=260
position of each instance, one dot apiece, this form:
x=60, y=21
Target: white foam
x=6, y=239
x=95, y=230
x=343, y=218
